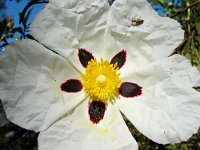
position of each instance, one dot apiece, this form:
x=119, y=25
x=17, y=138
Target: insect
x=137, y=22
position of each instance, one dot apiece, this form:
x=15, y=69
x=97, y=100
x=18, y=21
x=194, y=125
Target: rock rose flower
x=92, y=61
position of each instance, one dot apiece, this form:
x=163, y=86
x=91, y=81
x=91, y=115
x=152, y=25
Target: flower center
x=101, y=80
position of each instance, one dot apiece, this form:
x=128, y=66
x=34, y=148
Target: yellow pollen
x=101, y=80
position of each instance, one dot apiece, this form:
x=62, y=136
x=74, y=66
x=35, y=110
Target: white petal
x=155, y=39
x=76, y=132
x=176, y=67
x=67, y=25
x=30, y=77
x=168, y=111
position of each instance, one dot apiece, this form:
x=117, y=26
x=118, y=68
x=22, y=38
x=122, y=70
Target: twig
x=185, y=9
x=180, y=46
x=29, y=5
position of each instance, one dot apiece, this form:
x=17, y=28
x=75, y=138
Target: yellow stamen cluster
x=101, y=80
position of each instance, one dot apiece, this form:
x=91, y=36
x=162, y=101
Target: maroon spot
x=71, y=86
x=128, y=89
x=84, y=56
x=120, y=58
x=96, y=111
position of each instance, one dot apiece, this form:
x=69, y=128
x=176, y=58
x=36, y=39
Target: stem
x=188, y=10
x=189, y=30
x=185, y=9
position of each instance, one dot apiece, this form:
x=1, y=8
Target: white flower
x=54, y=94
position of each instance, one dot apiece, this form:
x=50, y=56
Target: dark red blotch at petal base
x=71, y=85
x=120, y=58
x=128, y=89
x=84, y=56
x=96, y=111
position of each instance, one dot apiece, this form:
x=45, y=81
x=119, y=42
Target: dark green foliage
x=189, y=17
x=13, y=137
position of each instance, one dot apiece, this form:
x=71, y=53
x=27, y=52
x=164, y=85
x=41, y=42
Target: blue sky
x=160, y=9
x=13, y=9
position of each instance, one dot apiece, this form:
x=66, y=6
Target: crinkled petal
x=168, y=111
x=77, y=132
x=155, y=39
x=176, y=67
x=65, y=26
x=30, y=78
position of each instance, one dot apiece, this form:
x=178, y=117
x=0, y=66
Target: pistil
x=101, y=80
